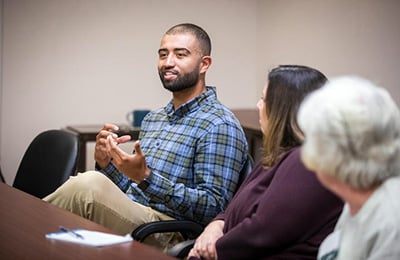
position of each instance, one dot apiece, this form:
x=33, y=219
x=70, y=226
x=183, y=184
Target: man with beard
x=187, y=161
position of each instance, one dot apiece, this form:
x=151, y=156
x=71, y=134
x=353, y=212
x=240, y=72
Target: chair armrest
x=187, y=228
x=182, y=249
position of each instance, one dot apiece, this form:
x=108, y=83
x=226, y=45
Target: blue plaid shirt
x=195, y=154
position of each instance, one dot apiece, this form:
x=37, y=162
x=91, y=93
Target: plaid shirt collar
x=191, y=105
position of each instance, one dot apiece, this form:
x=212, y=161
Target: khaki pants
x=95, y=197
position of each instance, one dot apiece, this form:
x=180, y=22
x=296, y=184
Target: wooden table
x=87, y=133
x=24, y=221
x=248, y=119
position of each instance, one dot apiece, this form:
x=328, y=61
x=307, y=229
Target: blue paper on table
x=91, y=238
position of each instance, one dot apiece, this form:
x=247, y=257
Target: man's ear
x=205, y=63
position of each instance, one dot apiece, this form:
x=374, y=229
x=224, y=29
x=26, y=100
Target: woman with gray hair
x=352, y=143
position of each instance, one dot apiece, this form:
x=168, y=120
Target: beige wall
x=85, y=61
x=91, y=61
x=337, y=36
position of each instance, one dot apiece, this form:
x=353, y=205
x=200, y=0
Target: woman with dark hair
x=280, y=210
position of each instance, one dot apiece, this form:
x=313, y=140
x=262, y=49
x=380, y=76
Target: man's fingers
x=137, y=148
x=110, y=127
x=114, y=150
x=123, y=139
x=107, y=130
x=104, y=134
x=111, y=145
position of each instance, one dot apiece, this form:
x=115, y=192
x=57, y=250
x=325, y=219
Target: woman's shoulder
x=291, y=166
x=292, y=157
x=288, y=166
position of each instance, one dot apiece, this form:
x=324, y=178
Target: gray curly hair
x=352, y=131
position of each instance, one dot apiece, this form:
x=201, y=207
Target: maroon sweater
x=279, y=213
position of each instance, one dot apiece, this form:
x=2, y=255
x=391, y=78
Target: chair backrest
x=190, y=230
x=2, y=177
x=247, y=168
x=47, y=163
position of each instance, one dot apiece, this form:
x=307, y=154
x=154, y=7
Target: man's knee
x=84, y=183
x=88, y=180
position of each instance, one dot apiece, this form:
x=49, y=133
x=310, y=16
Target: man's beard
x=186, y=81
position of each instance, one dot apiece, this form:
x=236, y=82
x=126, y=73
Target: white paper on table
x=91, y=238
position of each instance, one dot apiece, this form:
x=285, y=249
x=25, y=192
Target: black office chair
x=2, y=177
x=189, y=230
x=47, y=163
